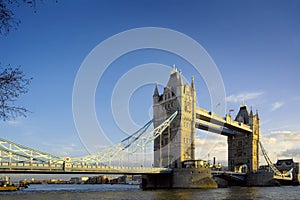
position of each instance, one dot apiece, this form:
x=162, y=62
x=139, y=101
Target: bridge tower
x=176, y=144
x=243, y=148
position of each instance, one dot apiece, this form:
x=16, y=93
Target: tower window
x=240, y=143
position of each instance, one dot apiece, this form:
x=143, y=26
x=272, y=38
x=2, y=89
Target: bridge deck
x=227, y=175
x=228, y=172
x=6, y=167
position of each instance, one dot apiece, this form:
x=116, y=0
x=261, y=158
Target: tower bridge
x=175, y=119
x=179, y=140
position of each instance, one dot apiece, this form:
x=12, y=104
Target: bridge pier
x=156, y=181
x=261, y=179
x=257, y=179
x=200, y=178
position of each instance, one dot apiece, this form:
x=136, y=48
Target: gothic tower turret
x=243, y=148
x=176, y=144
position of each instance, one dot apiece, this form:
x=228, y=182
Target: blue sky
x=255, y=45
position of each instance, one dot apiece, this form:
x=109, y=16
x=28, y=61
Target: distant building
x=96, y=180
x=79, y=180
x=74, y=180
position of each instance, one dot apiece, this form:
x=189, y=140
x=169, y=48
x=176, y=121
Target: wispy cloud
x=12, y=122
x=292, y=153
x=71, y=149
x=276, y=105
x=285, y=135
x=244, y=96
x=282, y=144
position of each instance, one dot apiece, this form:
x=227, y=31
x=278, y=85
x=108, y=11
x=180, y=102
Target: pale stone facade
x=176, y=144
x=243, y=148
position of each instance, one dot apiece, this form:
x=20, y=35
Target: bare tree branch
x=8, y=22
x=7, y=19
x=13, y=83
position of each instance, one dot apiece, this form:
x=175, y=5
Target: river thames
x=76, y=192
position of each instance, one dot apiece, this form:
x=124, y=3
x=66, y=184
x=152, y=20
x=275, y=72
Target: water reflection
x=76, y=192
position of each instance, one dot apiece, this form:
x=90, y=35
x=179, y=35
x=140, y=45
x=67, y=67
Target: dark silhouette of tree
x=8, y=22
x=13, y=81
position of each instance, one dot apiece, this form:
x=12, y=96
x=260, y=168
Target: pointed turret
x=251, y=117
x=180, y=78
x=193, y=82
x=251, y=113
x=175, y=82
x=156, y=90
x=156, y=94
x=257, y=114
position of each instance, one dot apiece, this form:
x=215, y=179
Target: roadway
x=35, y=168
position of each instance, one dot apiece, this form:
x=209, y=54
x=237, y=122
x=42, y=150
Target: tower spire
x=156, y=90
x=180, y=78
x=193, y=82
x=174, y=70
x=251, y=118
x=257, y=114
x=251, y=113
x=243, y=103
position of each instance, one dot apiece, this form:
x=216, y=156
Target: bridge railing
x=73, y=168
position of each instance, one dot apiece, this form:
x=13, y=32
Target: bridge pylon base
x=180, y=178
x=261, y=179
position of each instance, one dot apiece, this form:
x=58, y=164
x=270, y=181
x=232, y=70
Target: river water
x=76, y=192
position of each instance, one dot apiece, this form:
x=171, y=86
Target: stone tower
x=243, y=148
x=176, y=144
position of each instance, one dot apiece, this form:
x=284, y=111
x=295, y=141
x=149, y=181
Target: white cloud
x=276, y=105
x=211, y=145
x=244, y=96
x=281, y=144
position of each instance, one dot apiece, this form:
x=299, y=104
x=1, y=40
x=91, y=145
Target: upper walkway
x=225, y=125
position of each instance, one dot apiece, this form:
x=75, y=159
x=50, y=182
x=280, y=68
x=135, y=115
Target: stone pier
x=200, y=178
